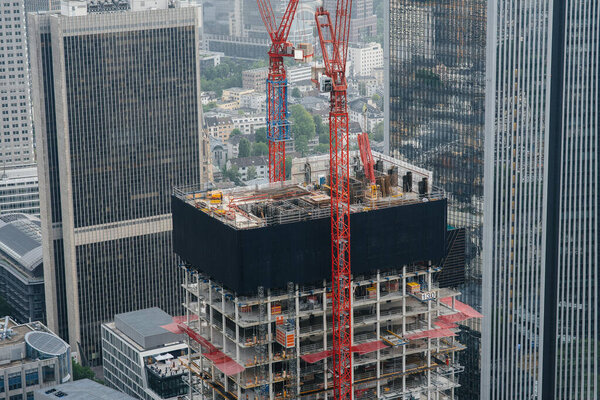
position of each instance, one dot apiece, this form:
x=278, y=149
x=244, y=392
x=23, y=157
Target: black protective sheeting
x=243, y=260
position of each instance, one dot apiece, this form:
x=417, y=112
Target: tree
x=377, y=134
x=260, y=135
x=244, y=148
x=302, y=122
x=323, y=148
x=260, y=149
x=209, y=106
x=301, y=144
x=235, y=132
x=296, y=93
x=324, y=138
x=378, y=101
x=252, y=173
x=233, y=174
x=81, y=372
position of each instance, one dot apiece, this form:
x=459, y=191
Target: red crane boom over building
x=334, y=46
x=277, y=122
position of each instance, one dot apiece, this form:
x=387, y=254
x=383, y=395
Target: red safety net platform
x=363, y=348
x=467, y=310
x=221, y=360
x=444, y=324
x=224, y=363
x=432, y=334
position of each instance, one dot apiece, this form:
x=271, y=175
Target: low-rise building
x=244, y=164
x=21, y=269
x=19, y=191
x=141, y=358
x=234, y=94
x=83, y=389
x=31, y=357
x=299, y=73
x=365, y=114
x=219, y=127
x=248, y=124
x=255, y=79
x=255, y=100
x=365, y=58
x=210, y=59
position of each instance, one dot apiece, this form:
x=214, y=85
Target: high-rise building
x=16, y=139
x=434, y=89
x=541, y=250
x=363, y=22
x=19, y=191
x=119, y=124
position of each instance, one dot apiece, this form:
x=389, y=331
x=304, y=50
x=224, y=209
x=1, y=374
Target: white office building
x=365, y=58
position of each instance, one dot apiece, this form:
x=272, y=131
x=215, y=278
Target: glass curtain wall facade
x=541, y=301
x=435, y=78
x=122, y=127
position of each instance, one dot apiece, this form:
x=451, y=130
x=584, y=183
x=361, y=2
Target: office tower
x=119, y=126
x=541, y=278
x=434, y=72
x=16, y=139
x=363, y=22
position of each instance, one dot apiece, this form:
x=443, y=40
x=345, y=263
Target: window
x=14, y=381
x=16, y=397
x=31, y=377
x=48, y=373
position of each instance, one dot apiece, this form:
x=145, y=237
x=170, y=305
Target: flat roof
x=144, y=327
x=83, y=389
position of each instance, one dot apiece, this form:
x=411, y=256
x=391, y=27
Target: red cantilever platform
x=221, y=360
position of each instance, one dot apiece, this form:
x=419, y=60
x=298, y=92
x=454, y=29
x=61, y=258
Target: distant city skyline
x=541, y=278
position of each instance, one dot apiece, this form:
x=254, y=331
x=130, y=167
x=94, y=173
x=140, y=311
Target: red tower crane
x=277, y=122
x=334, y=46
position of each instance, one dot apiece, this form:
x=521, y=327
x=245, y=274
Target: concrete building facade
x=365, y=58
x=19, y=191
x=31, y=357
x=16, y=140
x=140, y=357
x=107, y=167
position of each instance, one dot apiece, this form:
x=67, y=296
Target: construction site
x=259, y=297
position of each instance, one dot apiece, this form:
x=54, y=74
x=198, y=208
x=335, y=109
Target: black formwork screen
x=300, y=252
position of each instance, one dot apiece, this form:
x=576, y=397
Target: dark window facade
x=436, y=112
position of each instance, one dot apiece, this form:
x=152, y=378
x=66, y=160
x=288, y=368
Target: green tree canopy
x=288, y=167
x=235, y=132
x=252, y=173
x=81, y=372
x=377, y=135
x=296, y=93
x=303, y=123
x=301, y=144
x=244, y=148
x=260, y=149
x=260, y=135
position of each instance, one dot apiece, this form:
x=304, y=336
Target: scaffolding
x=276, y=344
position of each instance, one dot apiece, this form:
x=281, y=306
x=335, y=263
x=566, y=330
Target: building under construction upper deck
x=272, y=234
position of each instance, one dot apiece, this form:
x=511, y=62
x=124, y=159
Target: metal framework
x=277, y=113
x=334, y=46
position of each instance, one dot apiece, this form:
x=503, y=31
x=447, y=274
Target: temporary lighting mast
x=277, y=101
x=334, y=46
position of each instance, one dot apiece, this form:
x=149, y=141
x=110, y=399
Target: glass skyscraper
x=435, y=96
x=120, y=125
x=541, y=333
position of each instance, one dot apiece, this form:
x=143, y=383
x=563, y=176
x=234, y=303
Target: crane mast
x=334, y=47
x=277, y=101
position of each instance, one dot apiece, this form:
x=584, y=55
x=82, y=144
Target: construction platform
x=272, y=234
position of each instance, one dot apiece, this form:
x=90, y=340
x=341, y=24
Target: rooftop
x=144, y=327
x=83, y=389
x=296, y=200
x=235, y=235
x=21, y=240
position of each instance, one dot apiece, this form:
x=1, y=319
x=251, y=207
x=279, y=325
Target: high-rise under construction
x=258, y=290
